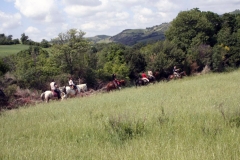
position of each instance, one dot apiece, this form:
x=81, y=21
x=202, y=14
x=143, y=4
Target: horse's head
x=63, y=89
x=122, y=82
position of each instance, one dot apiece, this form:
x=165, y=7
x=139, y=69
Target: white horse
x=47, y=95
x=82, y=88
x=72, y=92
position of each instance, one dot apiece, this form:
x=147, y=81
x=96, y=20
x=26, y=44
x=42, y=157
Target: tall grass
x=193, y=118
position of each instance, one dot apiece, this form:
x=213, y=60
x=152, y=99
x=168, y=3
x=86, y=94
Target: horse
x=140, y=82
x=73, y=92
x=112, y=85
x=82, y=88
x=47, y=95
x=152, y=79
x=181, y=74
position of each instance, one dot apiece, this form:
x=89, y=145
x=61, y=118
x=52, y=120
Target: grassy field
x=192, y=118
x=6, y=50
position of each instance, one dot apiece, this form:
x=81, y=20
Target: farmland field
x=192, y=118
x=6, y=50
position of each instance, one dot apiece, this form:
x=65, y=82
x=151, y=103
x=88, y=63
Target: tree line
x=194, y=37
x=8, y=40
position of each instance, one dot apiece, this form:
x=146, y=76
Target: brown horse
x=181, y=74
x=113, y=85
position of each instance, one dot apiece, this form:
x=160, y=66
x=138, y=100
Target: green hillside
x=192, y=118
x=133, y=36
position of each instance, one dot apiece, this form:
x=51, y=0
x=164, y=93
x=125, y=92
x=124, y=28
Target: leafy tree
x=192, y=28
x=70, y=49
x=45, y=44
x=33, y=68
x=16, y=41
x=112, y=60
x=24, y=38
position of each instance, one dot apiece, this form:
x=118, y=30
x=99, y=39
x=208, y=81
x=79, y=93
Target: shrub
x=125, y=129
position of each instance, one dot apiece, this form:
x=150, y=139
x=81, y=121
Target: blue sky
x=45, y=19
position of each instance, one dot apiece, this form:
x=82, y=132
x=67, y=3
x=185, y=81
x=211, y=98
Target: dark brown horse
x=152, y=79
x=113, y=85
x=140, y=82
x=181, y=74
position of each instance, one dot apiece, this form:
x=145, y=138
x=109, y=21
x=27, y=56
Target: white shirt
x=52, y=85
x=70, y=82
x=150, y=73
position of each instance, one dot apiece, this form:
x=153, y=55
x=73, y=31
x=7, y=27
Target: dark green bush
x=124, y=129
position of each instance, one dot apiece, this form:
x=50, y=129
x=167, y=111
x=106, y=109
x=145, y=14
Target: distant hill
x=99, y=39
x=237, y=11
x=133, y=36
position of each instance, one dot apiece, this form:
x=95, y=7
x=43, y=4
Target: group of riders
x=150, y=76
x=54, y=87
x=144, y=77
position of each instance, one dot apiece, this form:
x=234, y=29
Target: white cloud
x=9, y=21
x=122, y=15
x=32, y=30
x=82, y=2
x=42, y=10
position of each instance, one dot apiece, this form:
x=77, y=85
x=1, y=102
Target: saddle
x=54, y=94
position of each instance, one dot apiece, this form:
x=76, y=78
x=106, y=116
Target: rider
x=72, y=85
x=116, y=82
x=150, y=75
x=176, y=71
x=144, y=77
x=54, y=87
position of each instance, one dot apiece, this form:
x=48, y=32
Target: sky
x=45, y=19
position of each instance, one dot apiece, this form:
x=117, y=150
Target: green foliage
x=24, y=38
x=44, y=44
x=33, y=67
x=4, y=68
x=90, y=77
x=112, y=60
x=192, y=28
x=218, y=54
x=70, y=48
x=10, y=90
x=124, y=129
x=7, y=40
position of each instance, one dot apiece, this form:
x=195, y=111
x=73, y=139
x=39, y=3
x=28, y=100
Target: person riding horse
x=72, y=85
x=176, y=72
x=115, y=81
x=150, y=75
x=144, y=77
x=54, y=88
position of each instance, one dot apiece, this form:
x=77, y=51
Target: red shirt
x=144, y=75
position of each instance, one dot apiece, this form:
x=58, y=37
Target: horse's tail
x=42, y=96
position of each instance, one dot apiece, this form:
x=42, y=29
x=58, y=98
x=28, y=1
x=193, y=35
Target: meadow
x=192, y=118
x=6, y=50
